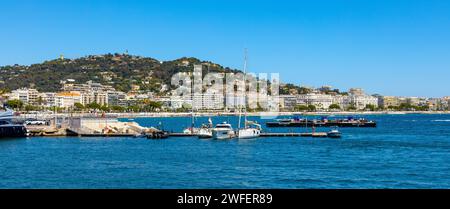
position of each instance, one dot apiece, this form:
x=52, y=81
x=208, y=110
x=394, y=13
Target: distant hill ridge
x=118, y=70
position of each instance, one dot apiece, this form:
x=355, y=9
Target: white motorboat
x=334, y=133
x=223, y=131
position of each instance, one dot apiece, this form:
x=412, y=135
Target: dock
x=315, y=135
x=181, y=135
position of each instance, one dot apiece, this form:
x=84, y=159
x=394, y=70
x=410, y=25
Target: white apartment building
x=361, y=101
x=321, y=101
x=209, y=101
x=86, y=87
x=341, y=100
x=27, y=96
x=48, y=99
x=288, y=102
x=67, y=99
x=100, y=98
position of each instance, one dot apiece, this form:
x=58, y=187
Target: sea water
x=404, y=151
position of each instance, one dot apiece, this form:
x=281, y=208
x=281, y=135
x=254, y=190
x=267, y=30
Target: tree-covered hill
x=119, y=70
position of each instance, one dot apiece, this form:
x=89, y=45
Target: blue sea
x=404, y=151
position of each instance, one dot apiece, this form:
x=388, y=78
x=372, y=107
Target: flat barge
x=345, y=123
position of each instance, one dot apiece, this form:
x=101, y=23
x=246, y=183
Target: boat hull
x=249, y=133
x=204, y=134
x=222, y=135
x=13, y=131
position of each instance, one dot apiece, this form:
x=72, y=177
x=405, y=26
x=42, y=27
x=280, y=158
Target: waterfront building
x=361, y=101
x=26, y=95
x=388, y=101
x=100, y=98
x=234, y=101
x=213, y=101
x=48, y=99
x=115, y=97
x=288, y=102
x=208, y=101
x=341, y=100
x=321, y=101
x=67, y=99
x=415, y=101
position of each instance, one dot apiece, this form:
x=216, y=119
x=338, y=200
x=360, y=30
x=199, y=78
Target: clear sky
x=391, y=47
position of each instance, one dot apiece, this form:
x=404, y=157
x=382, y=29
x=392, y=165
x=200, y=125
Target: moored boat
x=349, y=122
x=334, y=133
x=8, y=129
x=251, y=130
x=223, y=131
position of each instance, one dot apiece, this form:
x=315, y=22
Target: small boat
x=158, y=135
x=191, y=130
x=204, y=133
x=334, y=133
x=223, y=131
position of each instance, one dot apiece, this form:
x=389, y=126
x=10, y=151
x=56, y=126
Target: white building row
x=324, y=101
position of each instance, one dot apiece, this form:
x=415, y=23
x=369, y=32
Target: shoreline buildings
x=321, y=98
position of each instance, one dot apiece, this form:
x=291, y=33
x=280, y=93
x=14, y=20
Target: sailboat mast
x=245, y=89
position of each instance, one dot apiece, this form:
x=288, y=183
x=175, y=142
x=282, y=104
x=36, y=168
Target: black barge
x=342, y=123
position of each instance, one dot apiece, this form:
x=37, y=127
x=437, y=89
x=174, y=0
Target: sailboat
x=251, y=128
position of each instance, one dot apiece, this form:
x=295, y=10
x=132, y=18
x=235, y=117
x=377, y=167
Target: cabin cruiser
x=251, y=130
x=7, y=128
x=223, y=131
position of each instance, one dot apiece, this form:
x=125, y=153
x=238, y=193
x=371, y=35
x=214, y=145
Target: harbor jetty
x=287, y=134
x=106, y=127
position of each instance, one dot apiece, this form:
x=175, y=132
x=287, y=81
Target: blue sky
x=391, y=47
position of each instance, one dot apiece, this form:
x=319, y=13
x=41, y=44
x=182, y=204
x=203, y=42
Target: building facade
x=27, y=96
x=67, y=99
